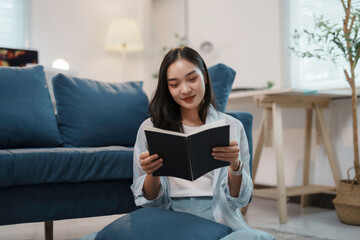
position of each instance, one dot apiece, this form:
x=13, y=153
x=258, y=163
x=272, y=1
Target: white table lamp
x=124, y=36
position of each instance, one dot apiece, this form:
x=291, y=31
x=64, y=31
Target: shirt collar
x=212, y=115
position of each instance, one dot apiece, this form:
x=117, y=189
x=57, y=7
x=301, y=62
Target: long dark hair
x=164, y=111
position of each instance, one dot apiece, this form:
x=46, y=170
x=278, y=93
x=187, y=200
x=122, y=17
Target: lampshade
x=124, y=36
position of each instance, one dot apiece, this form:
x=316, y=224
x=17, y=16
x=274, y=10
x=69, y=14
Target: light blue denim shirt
x=224, y=207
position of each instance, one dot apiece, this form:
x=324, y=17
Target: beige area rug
x=280, y=235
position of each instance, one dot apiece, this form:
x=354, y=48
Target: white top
x=201, y=187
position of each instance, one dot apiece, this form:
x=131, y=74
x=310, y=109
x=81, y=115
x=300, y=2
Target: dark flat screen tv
x=17, y=57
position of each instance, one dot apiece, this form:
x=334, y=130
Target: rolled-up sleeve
x=246, y=188
x=245, y=192
x=162, y=200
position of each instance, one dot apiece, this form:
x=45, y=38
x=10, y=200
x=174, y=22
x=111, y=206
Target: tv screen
x=17, y=57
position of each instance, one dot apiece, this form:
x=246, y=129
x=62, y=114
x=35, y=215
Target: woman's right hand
x=150, y=163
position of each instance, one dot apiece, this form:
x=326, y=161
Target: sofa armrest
x=247, y=120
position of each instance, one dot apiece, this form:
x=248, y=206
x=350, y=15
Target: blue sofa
x=78, y=162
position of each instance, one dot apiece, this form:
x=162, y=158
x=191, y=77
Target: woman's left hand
x=229, y=154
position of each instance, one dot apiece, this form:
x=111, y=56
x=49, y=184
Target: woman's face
x=186, y=84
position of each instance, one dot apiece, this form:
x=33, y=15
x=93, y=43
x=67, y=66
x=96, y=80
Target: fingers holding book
x=150, y=163
x=227, y=153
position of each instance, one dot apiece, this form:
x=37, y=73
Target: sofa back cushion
x=222, y=78
x=27, y=117
x=95, y=114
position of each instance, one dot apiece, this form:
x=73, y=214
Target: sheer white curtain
x=312, y=73
x=14, y=23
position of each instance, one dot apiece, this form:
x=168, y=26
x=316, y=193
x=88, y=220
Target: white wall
x=245, y=35
x=76, y=31
x=168, y=20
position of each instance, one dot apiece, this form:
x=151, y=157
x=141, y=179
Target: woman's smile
x=189, y=99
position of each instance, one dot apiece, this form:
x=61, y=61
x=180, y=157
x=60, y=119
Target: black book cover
x=188, y=156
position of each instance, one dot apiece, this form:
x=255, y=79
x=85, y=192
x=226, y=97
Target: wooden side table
x=271, y=134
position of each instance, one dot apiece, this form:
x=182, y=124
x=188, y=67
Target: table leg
x=259, y=147
x=328, y=147
x=278, y=144
x=307, y=150
x=268, y=127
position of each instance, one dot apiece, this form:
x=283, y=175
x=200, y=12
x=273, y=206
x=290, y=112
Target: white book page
x=215, y=124
x=159, y=130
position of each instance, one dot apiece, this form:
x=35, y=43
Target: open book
x=188, y=156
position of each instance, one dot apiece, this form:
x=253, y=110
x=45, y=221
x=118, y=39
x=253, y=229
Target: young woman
x=183, y=101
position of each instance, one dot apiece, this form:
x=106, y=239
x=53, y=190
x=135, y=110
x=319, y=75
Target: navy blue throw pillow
x=27, y=116
x=222, y=78
x=161, y=224
x=94, y=114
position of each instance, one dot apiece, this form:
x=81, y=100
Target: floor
x=262, y=214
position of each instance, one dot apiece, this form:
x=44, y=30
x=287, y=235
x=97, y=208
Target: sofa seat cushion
x=54, y=165
x=6, y=168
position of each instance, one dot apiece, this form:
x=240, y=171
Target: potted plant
x=333, y=42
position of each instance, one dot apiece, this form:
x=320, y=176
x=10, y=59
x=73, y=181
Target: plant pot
x=347, y=202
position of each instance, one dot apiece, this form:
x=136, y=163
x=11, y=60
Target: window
x=14, y=23
x=313, y=73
